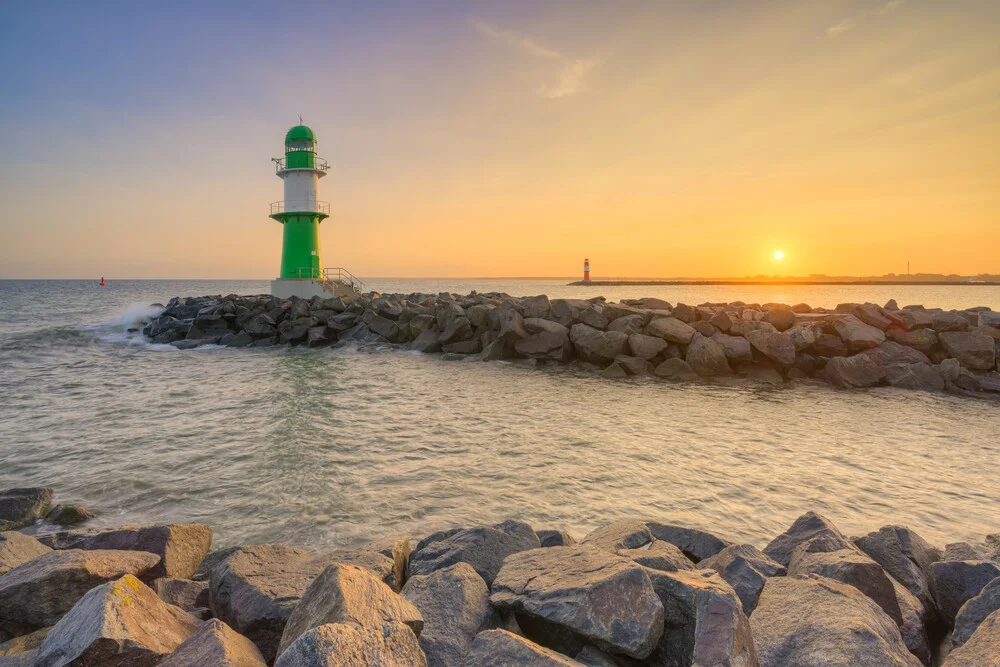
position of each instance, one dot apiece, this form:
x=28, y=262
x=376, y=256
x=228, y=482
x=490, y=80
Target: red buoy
x=102, y=281
x=586, y=270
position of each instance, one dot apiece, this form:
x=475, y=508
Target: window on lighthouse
x=301, y=146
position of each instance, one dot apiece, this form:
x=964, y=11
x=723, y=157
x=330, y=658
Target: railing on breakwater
x=332, y=274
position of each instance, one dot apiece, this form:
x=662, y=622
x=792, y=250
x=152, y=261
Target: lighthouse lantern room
x=300, y=213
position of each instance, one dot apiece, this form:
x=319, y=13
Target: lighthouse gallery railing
x=296, y=207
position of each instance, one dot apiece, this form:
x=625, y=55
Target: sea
x=330, y=448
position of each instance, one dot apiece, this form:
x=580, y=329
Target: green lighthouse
x=300, y=213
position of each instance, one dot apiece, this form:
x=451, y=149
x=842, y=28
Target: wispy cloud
x=850, y=23
x=572, y=74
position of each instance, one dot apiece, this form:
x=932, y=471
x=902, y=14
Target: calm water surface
x=334, y=447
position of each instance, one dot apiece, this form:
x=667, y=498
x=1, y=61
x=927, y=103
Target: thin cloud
x=849, y=24
x=573, y=71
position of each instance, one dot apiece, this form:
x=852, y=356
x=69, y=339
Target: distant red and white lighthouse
x=586, y=270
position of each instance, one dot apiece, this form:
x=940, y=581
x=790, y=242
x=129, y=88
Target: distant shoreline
x=869, y=283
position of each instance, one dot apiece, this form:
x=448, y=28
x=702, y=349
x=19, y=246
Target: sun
x=779, y=255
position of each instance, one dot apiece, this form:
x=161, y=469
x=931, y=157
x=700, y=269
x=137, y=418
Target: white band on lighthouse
x=301, y=188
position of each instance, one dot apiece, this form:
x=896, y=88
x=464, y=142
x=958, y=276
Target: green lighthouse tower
x=301, y=211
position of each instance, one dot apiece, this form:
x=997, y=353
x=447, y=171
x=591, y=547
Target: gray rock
x=118, y=623
x=183, y=593
x=891, y=353
x=600, y=347
x=671, y=329
x=20, y=507
x=746, y=569
x=564, y=311
x=658, y=555
x=646, y=347
x=566, y=597
x=775, y=346
x=828, y=345
x=872, y=315
x=914, y=318
x=948, y=321
x=482, y=548
x=743, y=327
x=973, y=351
x=906, y=557
x=295, y=331
x=706, y=357
x=254, y=590
x=972, y=614
x=535, y=306
x=499, y=648
x=704, y=623
x=923, y=340
x=630, y=324
x=722, y=320
x=348, y=645
x=595, y=657
x=694, y=543
x=535, y=325
x=854, y=372
x=851, y=567
x=20, y=646
x=427, y=342
x=961, y=551
x=814, y=621
x=955, y=582
x=624, y=534
x=347, y=594
x=634, y=365
x=260, y=326
x=592, y=317
x=458, y=329
x=38, y=593
x=463, y=347
x=807, y=527
x=181, y=547
x=216, y=644
x=545, y=345
x=915, y=376
x=555, y=538
x=675, y=369
x=68, y=515
x=455, y=604
x=913, y=628
x=736, y=348
x=614, y=371
x=981, y=649
x=17, y=549
x=856, y=334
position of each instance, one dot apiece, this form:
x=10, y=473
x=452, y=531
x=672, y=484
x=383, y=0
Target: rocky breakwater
x=852, y=346
x=633, y=592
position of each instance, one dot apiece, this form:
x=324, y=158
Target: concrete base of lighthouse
x=306, y=288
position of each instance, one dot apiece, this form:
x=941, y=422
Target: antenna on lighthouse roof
x=300, y=119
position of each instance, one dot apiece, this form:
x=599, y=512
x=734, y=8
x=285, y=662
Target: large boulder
x=807, y=527
x=971, y=615
x=704, y=623
x=17, y=549
x=736, y=348
x=706, y=357
x=696, y=544
x=598, y=346
x=777, y=347
x=915, y=619
x=857, y=335
x=216, y=644
x=906, y=557
x=121, y=622
x=646, y=347
x=746, y=569
x=632, y=539
x=872, y=315
x=397, y=548
x=671, y=330
x=500, y=648
x=181, y=547
x=20, y=507
x=780, y=318
x=854, y=372
x=566, y=597
x=675, y=369
x=391, y=644
x=973, y=351
x=347, y=594
x=982, y=649
x=955, y=583
x=184, y=593
x=455, y=605
x=922, y=377
x=555, y=538
x=851, y=567
x=814, y=621
x=923, y=340
x=545, y=345
x=535, y=325
x=891, y=353
x=38, y=593
x=535, y=306
x=254, y=590
x=482, y=548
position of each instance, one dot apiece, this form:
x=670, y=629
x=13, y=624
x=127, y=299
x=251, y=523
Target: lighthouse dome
x=300, y=133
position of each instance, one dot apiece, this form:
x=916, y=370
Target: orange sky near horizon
x=692, y=140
